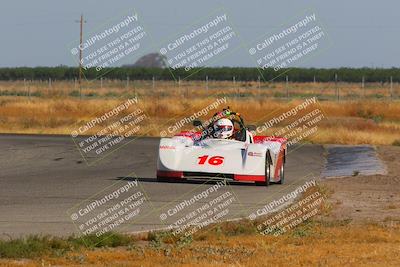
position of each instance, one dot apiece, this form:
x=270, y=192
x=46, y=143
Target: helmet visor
x=223, y=128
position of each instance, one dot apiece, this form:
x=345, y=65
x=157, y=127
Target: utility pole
x=363, y=84
x=81, y=21
x=287, y=87
x=234, y=84
x=337, y=88
x=29, y=90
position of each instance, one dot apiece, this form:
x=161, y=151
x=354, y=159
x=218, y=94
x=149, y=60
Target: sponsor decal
x=255, y=154
x=167, y=147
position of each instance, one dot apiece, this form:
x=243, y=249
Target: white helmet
x=223, y=128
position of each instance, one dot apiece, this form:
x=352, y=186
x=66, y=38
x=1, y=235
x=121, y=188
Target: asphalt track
x=42, y=177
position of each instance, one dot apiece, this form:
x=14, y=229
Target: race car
x=222, y=148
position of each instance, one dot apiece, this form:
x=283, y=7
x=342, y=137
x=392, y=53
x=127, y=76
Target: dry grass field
x=35, y=107
x=312, y=244
x=189, y=89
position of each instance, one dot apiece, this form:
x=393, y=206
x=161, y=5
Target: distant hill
x=152, y=60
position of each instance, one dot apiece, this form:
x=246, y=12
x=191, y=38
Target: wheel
x=267, y=172
x=281, y=174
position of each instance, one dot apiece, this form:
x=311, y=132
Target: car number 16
x=215, y=160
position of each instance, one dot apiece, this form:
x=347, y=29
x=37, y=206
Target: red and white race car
x=243, y=157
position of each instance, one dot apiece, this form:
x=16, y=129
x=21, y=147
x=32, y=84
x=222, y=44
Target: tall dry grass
x=359, y=121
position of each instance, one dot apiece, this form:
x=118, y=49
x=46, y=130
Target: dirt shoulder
x=374, y=198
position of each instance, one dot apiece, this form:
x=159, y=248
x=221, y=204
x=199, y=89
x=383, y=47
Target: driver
x=223, y=129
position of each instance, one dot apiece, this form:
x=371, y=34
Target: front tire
x=267, y=172
x=282, y=174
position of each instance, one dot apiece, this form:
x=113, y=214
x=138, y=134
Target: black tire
x=170, y=179
x=162, y=179
x=282, y=174
x=267, y=172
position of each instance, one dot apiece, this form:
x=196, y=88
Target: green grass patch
x=33, y=246
x=111, y=94
x=74, y=93
x=91, y=94
x=19, y=93
x=36, y=246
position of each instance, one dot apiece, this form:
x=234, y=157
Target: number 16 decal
x=215, y=160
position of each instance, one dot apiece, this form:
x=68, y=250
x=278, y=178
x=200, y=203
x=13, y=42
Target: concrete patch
x=352, y=160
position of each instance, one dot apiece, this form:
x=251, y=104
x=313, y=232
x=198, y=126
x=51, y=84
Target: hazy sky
x=362, y=33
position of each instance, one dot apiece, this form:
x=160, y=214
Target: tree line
x=220, y=73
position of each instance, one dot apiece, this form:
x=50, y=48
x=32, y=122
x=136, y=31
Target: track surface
x=41, y=177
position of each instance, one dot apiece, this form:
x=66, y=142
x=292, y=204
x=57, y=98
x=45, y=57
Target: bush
x=32, y=246
x=396, y=142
